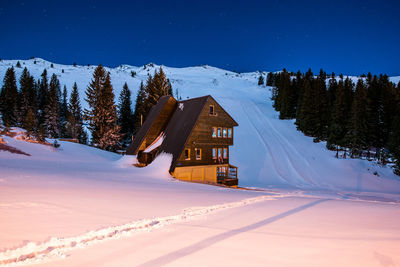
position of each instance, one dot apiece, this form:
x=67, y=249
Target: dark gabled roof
x=180, y=126
x=148, y=123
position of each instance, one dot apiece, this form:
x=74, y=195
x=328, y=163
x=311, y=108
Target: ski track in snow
x=284, y=143
x=274, y=162
x=267, y=136
x=33, y=253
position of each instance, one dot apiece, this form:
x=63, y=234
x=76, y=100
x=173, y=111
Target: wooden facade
x=197, y=132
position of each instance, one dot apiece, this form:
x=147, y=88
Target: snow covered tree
x=9, y=99
x=125, y=120
x=74, y=116
x=102, y=113
x=52, y=109
x=110, y=130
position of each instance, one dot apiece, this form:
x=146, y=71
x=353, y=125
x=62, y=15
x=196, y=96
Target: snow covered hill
x=81, y=206
x=270, y=153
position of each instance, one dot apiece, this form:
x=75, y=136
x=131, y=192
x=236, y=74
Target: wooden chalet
x=197, y=132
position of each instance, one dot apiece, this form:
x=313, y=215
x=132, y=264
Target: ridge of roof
x=176, y=133
x=194, y=98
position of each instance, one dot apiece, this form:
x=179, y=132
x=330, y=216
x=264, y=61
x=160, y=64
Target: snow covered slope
x=81, y=206
x=270, y=153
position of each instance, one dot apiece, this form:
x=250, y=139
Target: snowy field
x=80, y=206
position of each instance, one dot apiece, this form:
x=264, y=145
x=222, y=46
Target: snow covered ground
x=80, y=206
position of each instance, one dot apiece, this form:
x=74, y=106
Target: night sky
x=350, y=37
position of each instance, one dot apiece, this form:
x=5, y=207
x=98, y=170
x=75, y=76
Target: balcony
x=227, y=175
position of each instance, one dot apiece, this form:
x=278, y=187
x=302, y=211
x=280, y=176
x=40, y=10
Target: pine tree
x=339, y=120
x=29, y=123
x=299, y=88
x=93, y=93
x=42, y=95
x=287, y=96
x=260, y=80
x=394, y=141
x=52, y=109
x=321, y=107
x=306, y=117
x=74, y=116
x=125, y=113
x=374, y=111
x=18, y=65
x=270, y=79
x=139, y=108
x=155, y=88
x=102, y=115
x=9, y=99
x=64, y=113
x=40, y=134
x=110, y=131
x=27, y=94
x=358, y=134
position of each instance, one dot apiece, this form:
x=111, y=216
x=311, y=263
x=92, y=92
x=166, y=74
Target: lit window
x=219, y=132
x=214, y=131
x=198, y=153
x=229, y=132
x=187, y=154
x=211, y=110
x=225, y=153
x=214, y=153
x=219, y=153
x=224, y=132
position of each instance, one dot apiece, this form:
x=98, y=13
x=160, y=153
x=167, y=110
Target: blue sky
x=350, y=37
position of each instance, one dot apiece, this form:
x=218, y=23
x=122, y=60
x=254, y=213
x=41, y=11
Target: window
x=187, y=154
x=214, y=153
x=220, y=153
x=225, y=153
x=224, y=132
x=212, y=110
x=229, y=132
x=214, y=132
x=198, y=153
x=219, y=132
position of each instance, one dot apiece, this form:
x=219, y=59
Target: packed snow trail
x=58, y=247
x=289, y=231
